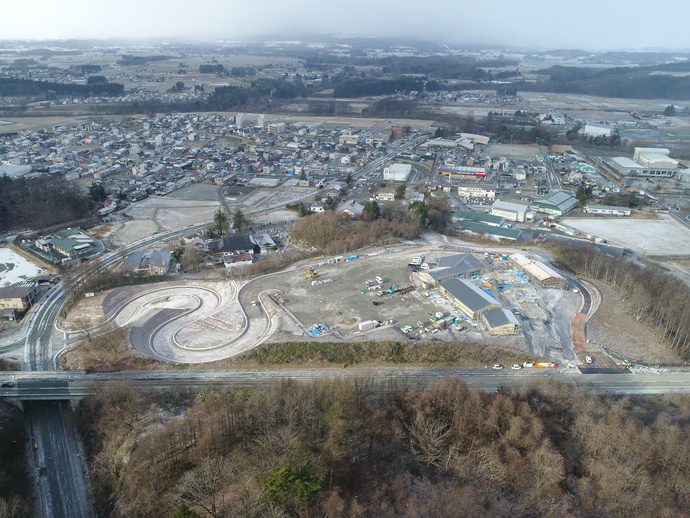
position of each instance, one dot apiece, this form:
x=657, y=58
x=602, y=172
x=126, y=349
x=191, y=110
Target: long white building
x=397, y=172
x=510, y=211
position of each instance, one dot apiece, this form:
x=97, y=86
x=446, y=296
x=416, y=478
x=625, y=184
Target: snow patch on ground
x=662, y=236
x=14, y=268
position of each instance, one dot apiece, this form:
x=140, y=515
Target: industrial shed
x=510, y=211
x=460, y=216
x=557, y=203
x=460, y=265
x=542, y=274
x=468, y=298
x=490, y=232
x=262, y=181
x=608, y=210
x=397, y=172
x=500, y=321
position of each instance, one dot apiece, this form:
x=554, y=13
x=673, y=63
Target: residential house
x=351, y=207
x=243, y=259
x=19, y=296
x=148, y=262
x=235, y=244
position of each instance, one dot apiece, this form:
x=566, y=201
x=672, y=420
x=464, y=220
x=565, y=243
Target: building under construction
x=540, y=273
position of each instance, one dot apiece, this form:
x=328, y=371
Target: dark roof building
x=460, y=265
x=556, y=202
x=500, y=321
x=490, y=231
x=148, y=262
x=234, y=244
x=468, y=298
x=19, y=296
x=461, y=216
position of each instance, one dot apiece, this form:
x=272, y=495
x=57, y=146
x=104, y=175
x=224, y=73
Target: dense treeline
x=15, y=485
x=346, y=449
x=353, y=353
x=38, y=203
x=128, y=60
x=393, y=108
x=638, y=83
x=500, y=128
x=211, y=69
x=337, y=233
x=12, y=87
x=367, y=87
x=651, y=294
x=438, y=67
x=334, y=234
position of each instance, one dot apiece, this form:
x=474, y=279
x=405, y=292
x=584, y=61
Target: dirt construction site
x=373, y=295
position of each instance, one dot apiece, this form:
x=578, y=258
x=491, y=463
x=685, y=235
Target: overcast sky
x=585, y=24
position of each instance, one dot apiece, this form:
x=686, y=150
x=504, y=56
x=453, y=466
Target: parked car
x=497, y=366
x=7, y=384
x=516, y=367
x=588, y=359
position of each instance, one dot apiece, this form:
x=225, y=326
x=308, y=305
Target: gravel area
x=621, y=334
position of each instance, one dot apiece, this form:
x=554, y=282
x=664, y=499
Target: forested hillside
x=340, y=449
x=38, y=203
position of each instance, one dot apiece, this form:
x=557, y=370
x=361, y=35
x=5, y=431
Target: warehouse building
x=262, y=181
x=489, y=231
x=14, y=171
x=460, y=265
x=461, y=216
x=468, y=298
x=626, y=166
x=510, y=211
x=648, y=162
x=500, y=321
x=556, y=203
x=591, y=129
x=397, y=172
x=482, y=191
x=455, y=172
x=477, y=139
x=542, y=274
x=607, y=210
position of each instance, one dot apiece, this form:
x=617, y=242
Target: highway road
x=552, y=177
x=57, y=456
x=54, y=385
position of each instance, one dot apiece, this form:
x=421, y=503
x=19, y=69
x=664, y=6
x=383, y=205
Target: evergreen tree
x=97, y=192
x=220, y=221
x=371, y=211
x=239, y=221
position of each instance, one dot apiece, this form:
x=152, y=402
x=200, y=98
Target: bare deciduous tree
x=202, y=486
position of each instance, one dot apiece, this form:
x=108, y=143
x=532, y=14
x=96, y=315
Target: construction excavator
x=310, y=273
